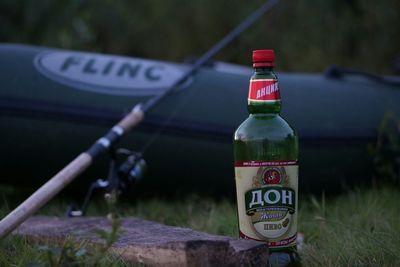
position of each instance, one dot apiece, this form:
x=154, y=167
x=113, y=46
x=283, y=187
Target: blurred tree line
x=307, y=35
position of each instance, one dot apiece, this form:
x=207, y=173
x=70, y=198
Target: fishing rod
x=132, y=119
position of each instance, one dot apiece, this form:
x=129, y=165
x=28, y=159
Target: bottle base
x=284, y=259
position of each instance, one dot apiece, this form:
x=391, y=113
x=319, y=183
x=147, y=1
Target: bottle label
x=267, y=201
x=265, y=90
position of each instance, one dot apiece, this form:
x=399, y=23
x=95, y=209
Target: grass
x=360, y=228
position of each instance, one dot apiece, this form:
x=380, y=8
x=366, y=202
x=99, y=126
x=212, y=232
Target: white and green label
x=267, y=201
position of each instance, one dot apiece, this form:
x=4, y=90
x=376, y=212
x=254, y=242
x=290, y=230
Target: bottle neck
x=264, y=95
x=263, y=69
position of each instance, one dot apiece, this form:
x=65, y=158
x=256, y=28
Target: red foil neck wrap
x=265, y=90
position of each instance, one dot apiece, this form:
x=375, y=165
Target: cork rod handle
x=46, y=192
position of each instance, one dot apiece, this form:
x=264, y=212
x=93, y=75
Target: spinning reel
x=125, y=169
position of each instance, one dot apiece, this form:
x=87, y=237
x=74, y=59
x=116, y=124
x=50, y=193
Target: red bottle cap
x=263, y=58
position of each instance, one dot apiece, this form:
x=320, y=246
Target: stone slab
x=150, y=243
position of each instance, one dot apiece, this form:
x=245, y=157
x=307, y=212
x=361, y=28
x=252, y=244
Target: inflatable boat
x=56, y=103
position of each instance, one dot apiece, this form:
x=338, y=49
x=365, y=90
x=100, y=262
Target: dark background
x=307, y=35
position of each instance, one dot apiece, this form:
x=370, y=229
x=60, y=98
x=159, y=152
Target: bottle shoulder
x=264, y=126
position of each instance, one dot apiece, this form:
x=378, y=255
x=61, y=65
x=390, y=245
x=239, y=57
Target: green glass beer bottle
x=266, y=168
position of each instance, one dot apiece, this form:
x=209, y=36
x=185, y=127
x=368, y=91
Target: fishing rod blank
x=133, y=118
